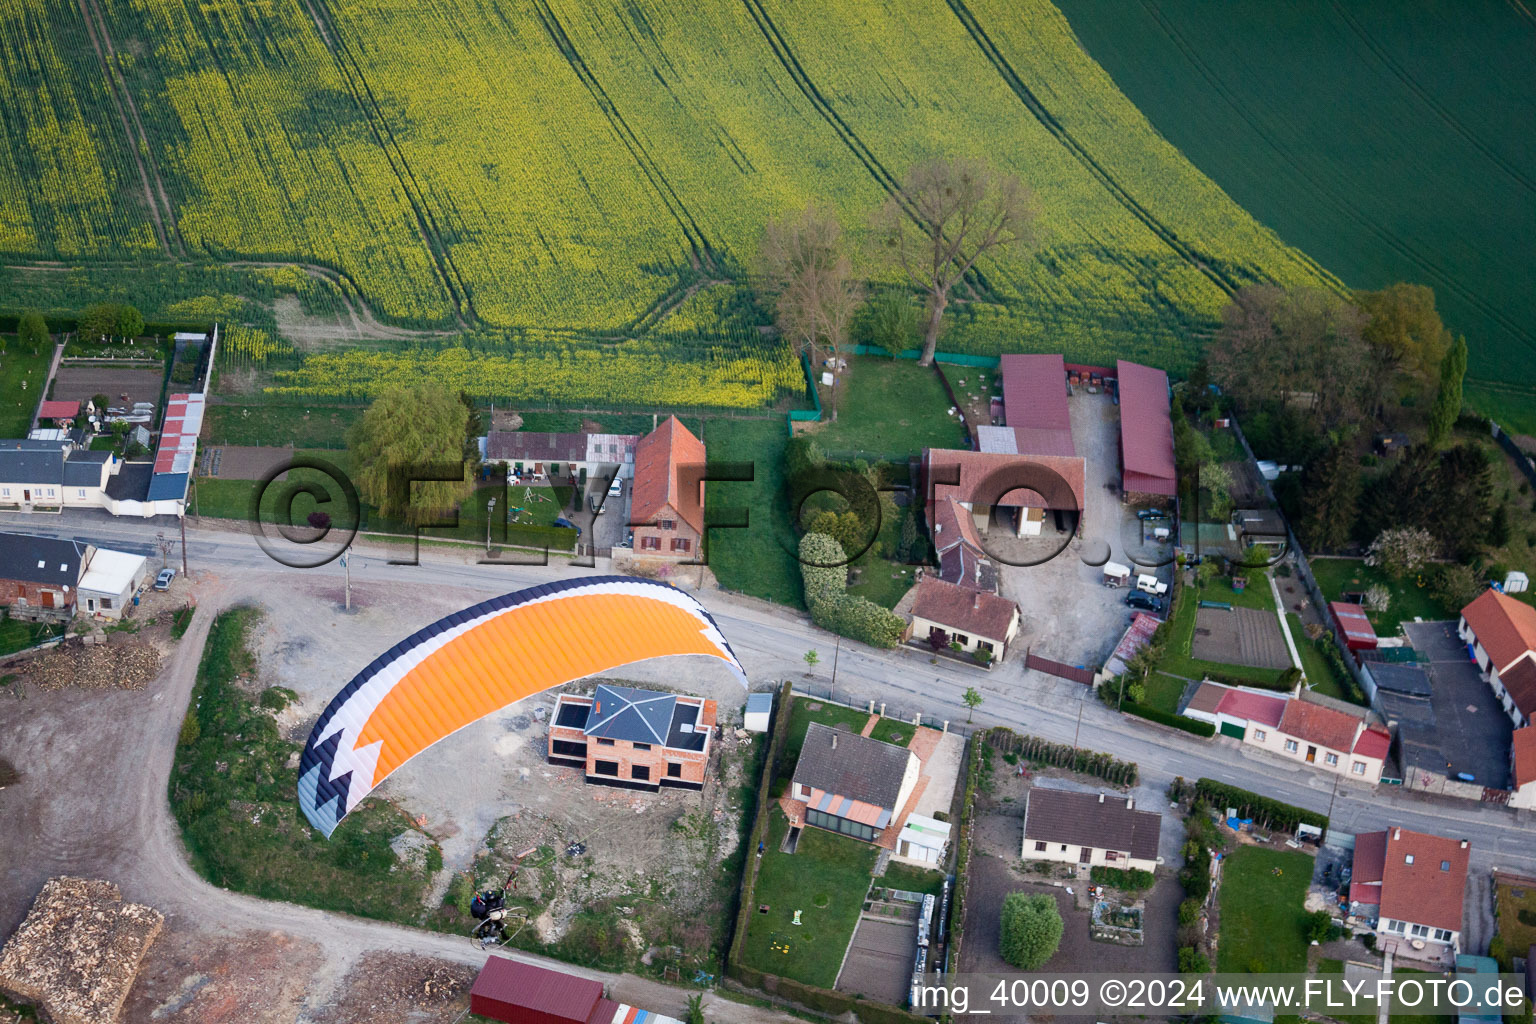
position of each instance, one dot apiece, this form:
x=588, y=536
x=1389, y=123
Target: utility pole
x=835, y=652
x=1079, y=730
x=489, y=508
x=183, y=519
x=1331, y=797
x=346, y=564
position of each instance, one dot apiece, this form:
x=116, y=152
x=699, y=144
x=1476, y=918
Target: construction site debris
x=122, y=663
x=78, y=951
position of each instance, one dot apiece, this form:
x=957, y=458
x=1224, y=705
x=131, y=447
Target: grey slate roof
x=83, y=469
x=40, y=559
x=31, y=462
x=536, y=446
x=130, y=482
x=849, y=765
x=626, y=713
x=1400, y=678
x=1079, y=819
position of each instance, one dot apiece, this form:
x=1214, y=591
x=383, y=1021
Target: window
x=962, y=639
x=641, y=746
x=1259, y=734
x=565, y=748
x=652, y=543
x=80, y=492
x=675, y=771
x=1395, y=926
x=5, y=492
x=832, y=823
x=609, y=768
x=1111, y=855
x=106, y=602
x=1063, y=847
x=666, y=524
x=640, y=772
x=1442, y=935
x=604, y=742
x=1040, y=846
x=1331, y=760
x=1419, y=931
x=1358, y=767
x=1408, y=859
x=681, y=543
x=984, y=645
x=1290, y=746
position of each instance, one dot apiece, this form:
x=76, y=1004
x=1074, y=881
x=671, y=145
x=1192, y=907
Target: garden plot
x=123, y=386
x=1240, y=636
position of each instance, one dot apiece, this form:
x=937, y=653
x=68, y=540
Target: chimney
x=1101, y=798
x=1130, y=803
x=1463, y=844
x=1397, y=834
x=834, y=740
x=976, y=601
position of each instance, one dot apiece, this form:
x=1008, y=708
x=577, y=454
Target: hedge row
x=823, y=1000
x=825, y=576
x=778, y=733
x=1062, y=755
x=973, y=759
x=1162, y=717
x=1263, y=810
x=1129, y=879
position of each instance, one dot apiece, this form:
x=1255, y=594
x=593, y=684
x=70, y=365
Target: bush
x=276, y=698
x=1318, y=926
x=1189, y=912
x=1162, y=717
x=1267, y=812
x=461, y=892
x=1368, y=940
x=1526, y=917
x=1289, y=678
x=1031, y=929
x=1192, y=961
x=1129, y=879
x=191, y=730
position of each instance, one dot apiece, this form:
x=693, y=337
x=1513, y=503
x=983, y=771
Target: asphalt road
x=771, y=642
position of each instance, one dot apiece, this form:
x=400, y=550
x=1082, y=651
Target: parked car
x=1145, y=602
x=1151, y=513
x=616, y=489
x=566, y=524
x=163, y=581
x=596, y=504
x=1151, y=585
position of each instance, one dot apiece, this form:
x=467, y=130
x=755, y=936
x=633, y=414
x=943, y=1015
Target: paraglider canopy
x=477, y=661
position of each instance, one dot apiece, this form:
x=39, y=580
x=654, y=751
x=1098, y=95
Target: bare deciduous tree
x=807, y=270
x=948, y=214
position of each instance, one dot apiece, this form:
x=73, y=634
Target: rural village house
x=111, y=580
x=667, y=508
x=39, y=576
x=1089, y=829
x=573, y=455
x=851, y=784
x=639, y=739
x=962, y=560
x=1522, y=756
x=1410, y=886
x=1502, y=634
x=1310, y=728
x=974, y=619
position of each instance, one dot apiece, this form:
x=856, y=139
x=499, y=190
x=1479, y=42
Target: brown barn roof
x=1091, y=819
x=658, y=480
x=1520, y=680
x=546, y=993
x=1035, y=403
x=1058, y=478
x=1146, y=431
x=1317, y=724
x=537, y=446
x=1505, y=627
x=1524, y=748
x=974, y=612
x=953, y=524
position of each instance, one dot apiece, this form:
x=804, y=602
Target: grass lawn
x=564, y=421
x=758, y=558
x=1519, y=935
x=890, y=407
x=1320, y=672
x=808, y=710
x=1335, y=576
x=1262, y=921
x=1177, y=660
x=893, y=730
x=826, y=879
x=17, y=636
x=1163, y=692
x=21, y=385
x=884, y=580
x=232, y=791
x=252, y=423
x=1336, y=967
x=912, y=878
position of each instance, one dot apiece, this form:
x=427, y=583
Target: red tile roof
x=1524, y=744
x=1505, y=627
x=1373, y=742
x=658, y=482
x=953, y=524
x=1520, y=680
x=1035, y=403
x=1363, y=893
x=1370, y=858
x=1353, y=623
x=1252, y=707
x=58, y=410
x=1058, y=479
x=972, y=612
x=1424, y=892
x=1146, y=432
x=1317, y=724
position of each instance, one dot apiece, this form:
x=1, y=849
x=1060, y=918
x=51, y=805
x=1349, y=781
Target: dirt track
x=91, y=801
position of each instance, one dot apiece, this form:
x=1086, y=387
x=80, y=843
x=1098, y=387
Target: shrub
x=982, y=656
x=1526, y=917
x=1189, y=912
x=1162, y=717
x=461, y=892
x=276, y=698
x=1129, y=879
x=1267, y=812
x=191, y=730
x=1031, y=929
x=1318, y=926
x=1192, y=961
x=1289, y=678
x=1369, y=940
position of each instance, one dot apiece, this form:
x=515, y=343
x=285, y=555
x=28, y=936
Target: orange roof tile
x=658, y=482
x=1505, y=627
x=1317, y=724
x=1431, y=890
x=1524, y=743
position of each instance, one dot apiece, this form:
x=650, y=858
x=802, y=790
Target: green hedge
x=832, y=608
x=778, y=733
x=1263, y=810
x=963, y=855
x=1162, y=717
x=1062, y=755
x=1129, y=879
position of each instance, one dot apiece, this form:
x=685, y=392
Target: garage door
x=1232, y=729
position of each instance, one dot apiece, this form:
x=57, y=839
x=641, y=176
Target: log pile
x=122, y=663
x=77, y=953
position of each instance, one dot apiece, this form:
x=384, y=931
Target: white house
x=1090, y=830
x=1411, y=887
x=851, y=784
x=1502, y=634
x=974, y=619
x=111, y=580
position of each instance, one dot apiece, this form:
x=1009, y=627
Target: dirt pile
x=386, y=988
x=122, y=663
x=78, y=951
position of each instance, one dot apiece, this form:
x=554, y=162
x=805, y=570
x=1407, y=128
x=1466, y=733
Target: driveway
x=1474, y=729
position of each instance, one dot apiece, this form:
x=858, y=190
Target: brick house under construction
x=638, y=739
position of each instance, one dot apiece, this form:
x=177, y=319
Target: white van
x=1151, y=585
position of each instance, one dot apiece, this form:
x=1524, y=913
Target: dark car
x=1146, y=602
x=566, y=524
x=1151, y=513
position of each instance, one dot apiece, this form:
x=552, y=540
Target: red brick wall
x=11, y=590
x=664, y=538
x=624, y=753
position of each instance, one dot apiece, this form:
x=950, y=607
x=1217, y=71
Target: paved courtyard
x=1475, y=730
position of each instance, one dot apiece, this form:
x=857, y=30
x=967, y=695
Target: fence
x=1522, y=460
x=885, y=709
x=1058, y=668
